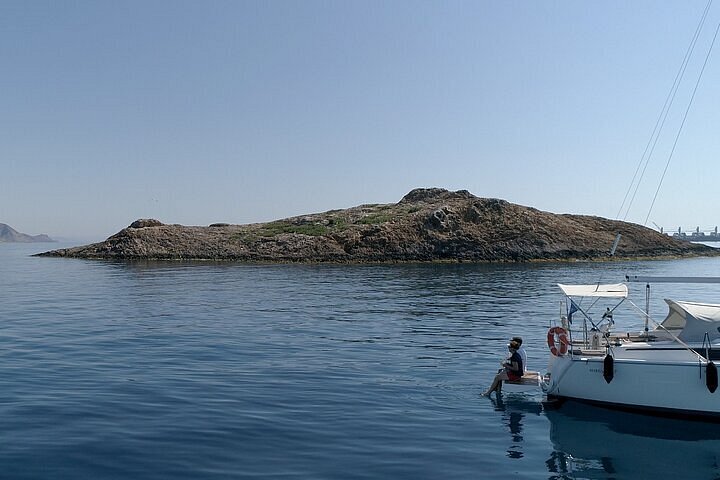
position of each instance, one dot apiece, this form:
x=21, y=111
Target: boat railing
x=598, y=338
x=588, y=336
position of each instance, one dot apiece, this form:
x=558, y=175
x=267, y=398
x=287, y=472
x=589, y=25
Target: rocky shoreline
x=427, y=225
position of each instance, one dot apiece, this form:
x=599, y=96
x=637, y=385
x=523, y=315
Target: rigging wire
x=662, y=125
x=687, y=110
x=659, y=124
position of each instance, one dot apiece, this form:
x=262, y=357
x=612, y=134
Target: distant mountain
x=10, y=235
x=427, y=225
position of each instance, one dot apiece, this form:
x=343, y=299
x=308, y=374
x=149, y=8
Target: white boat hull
x=673, y=386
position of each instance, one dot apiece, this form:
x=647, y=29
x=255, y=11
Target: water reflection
x=591, y=442
x=514, y=409
x=596, y=443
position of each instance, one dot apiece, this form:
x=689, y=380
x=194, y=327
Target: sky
x=237, y=111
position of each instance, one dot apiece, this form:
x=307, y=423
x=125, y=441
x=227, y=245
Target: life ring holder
x=561, y=347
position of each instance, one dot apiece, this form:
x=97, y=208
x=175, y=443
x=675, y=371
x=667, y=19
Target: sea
x=204, y=370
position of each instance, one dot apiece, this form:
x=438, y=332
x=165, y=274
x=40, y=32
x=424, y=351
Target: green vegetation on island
x=427, y=225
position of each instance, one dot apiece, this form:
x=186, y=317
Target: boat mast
x=648, y=280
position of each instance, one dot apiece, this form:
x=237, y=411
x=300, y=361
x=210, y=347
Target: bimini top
x=617, y=290
x=694, y=320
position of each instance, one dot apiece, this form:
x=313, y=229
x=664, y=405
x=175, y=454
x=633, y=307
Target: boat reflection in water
x=593, y=442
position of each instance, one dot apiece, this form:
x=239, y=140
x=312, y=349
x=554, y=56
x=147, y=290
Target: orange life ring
x=563, y=343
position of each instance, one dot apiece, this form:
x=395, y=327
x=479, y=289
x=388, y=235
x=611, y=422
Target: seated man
x=512, y=370
x=521, y=352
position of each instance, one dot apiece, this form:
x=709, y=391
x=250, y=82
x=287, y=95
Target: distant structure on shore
x=10, y=235
x=697, y=235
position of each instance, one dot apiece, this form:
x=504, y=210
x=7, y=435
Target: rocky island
x=427, y=225
x=10, y=235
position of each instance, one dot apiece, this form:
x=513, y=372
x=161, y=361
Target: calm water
x=174, y=370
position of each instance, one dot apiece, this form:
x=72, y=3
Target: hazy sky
x=196, y=112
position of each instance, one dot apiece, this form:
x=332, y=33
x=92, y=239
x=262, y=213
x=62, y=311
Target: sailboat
x=667, y=369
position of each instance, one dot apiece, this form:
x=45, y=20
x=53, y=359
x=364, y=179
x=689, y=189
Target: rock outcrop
x=426, y=225
x=10, y=235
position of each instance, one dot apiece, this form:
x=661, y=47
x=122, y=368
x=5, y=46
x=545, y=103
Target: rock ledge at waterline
x=427, y=225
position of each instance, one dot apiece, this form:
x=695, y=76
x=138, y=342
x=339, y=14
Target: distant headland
x=427, y=225
x=10, y=235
